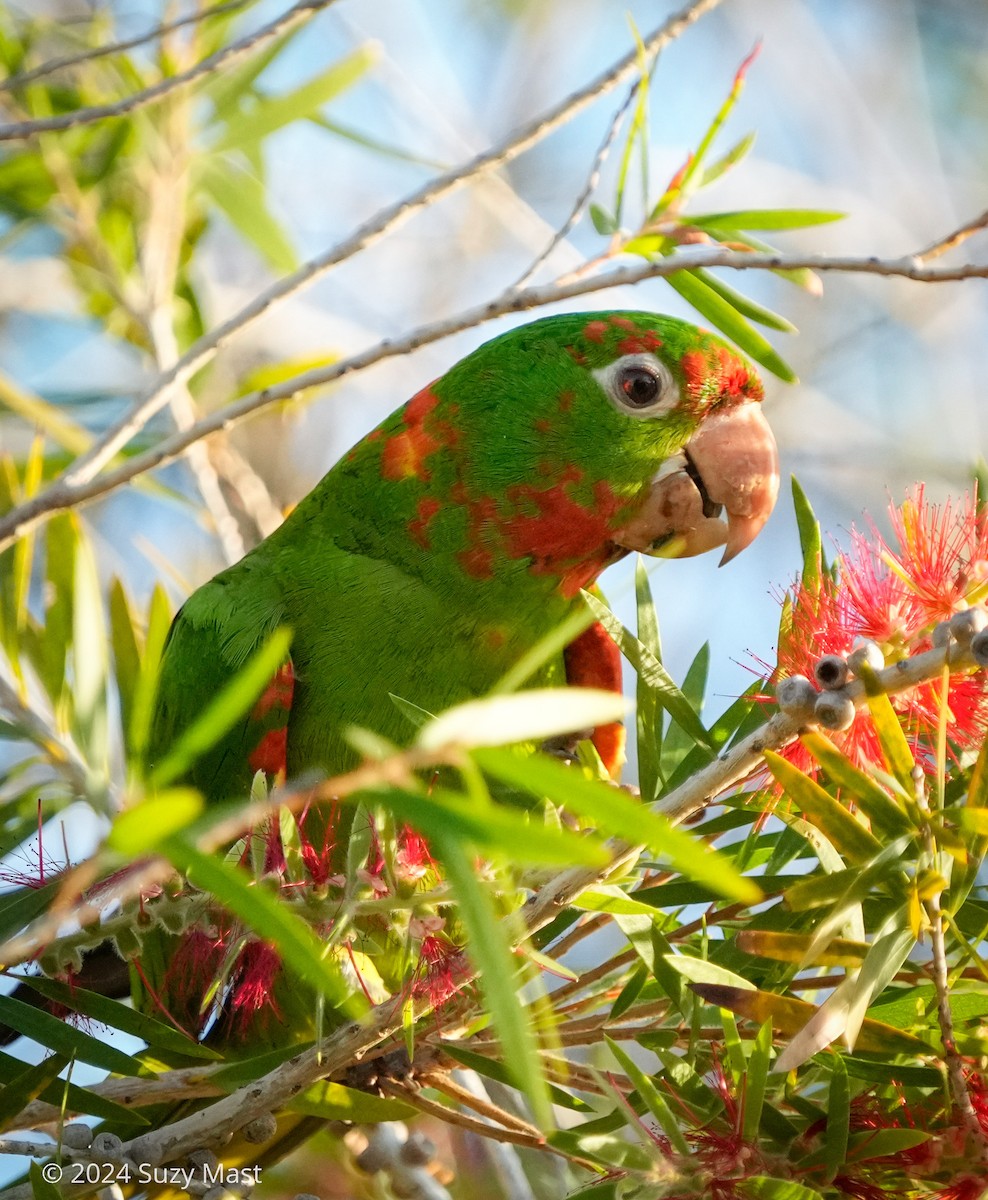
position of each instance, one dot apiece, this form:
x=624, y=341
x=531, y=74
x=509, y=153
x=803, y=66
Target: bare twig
x=593, y=178
x=942, y=245
x=78, y=487
x=222, y=59
x=84, y=56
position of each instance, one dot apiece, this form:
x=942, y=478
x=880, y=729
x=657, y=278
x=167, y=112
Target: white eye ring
x=638, y=385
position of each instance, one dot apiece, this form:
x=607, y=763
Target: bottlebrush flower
x=894, y=592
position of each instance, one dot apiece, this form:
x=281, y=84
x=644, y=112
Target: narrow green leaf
x=488, y=946
x=651, y=1097
x=495, y=828
x=224, y=710
x=767, y=218
x=126, y=652
x=64, y=1039
x=879, y=807
x=615, y=813
x=764, y=1187
x=242, y=198
x=810, y=538
x=495, y=1069
x=838, y=1119
x=159, y=621
x=120, y=1016
x=737, y=153
x=79, y=1099
x=273, y=112
x=526, y=716
x=725, y=317
x=651, y=672
x=756, y=1079
x=848, y=835
x=41, y=1189
x=744, y=304
x=649, y=720
x=140, y=829
x=602, y=220
x=895, y=748
x=27, y=1084
x=335, y=1102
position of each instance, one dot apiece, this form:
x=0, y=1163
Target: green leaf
x=744, y=304
x=527, y=716
x=39, y=414
x=41, y=1189
x=847, y=834
x=334, y=1102
x=615, y=813
x=63, y=1038
x=126, y=652
x=651, y=672
x=838, y=1118
x=78, y=1099
x=764, y=1187
x=878, y=806
x=651, y=1097
x=649, y=720
x=810, y=539
x=140, y=829
x=736, y=154
x=224, y=710
x=27, y=1084
x=242, y=198
x=273, y=112
x=494, y=828
x=756, y=1079
x=767, y=218
x=895, y=748
x=490, y=950
x=602, y=220
x=495, y=1069
x=158, y=623
x=725, y=317
x=110, y=1012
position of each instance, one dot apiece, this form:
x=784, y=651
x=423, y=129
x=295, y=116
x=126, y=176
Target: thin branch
x=739, y=761
x=372, y=231
x=221, y=60
x=942, y=245
x=593, y=178
x=78, y=487
x=86, y=56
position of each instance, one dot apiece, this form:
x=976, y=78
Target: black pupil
x=640, y=386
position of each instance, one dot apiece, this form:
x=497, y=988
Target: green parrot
x=458, y=533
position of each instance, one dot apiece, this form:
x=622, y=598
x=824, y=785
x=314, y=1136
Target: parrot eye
x=639, y=385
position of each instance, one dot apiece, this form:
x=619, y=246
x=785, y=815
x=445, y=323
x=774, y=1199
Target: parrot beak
x=730, y=465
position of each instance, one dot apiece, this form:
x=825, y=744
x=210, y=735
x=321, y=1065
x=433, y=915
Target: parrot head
x=558, y=447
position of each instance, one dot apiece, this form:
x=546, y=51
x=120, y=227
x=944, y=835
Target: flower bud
x=831, y=672
x=835, y=710
x=979, y=648
x=964, y=625
x=796, y=697
x=867, y=654
x=261, y=1129
x=106, y=1147
x=77, y=1136
x=418, y=1150
x=940, y=636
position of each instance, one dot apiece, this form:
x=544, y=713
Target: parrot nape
x=449, y=541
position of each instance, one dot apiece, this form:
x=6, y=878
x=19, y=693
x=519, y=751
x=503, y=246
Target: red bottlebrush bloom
x=440, y=963
x=198, y=957
x=251, y=992
x=413, y=859
x=894, y=593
